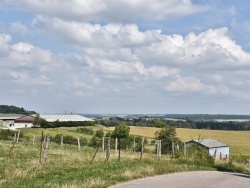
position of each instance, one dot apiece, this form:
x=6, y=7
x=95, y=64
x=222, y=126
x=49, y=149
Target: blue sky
x=126, y=56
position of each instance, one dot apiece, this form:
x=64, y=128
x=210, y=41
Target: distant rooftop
x=210, y=143
x=52, y=118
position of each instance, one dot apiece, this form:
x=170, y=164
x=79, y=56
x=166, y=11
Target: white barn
x=61, y=118
x=215, y=148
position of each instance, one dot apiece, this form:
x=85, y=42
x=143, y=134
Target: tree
x=167, y=135
x=99, y=133
x=159, y=124
x=37, y=120
x=121, y=132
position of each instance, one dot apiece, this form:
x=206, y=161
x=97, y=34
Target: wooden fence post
x=79, y=145
x=18, y=134
x=185, y=150
x=116, y=141
x=41, y=148
x=142, y=147
x=215, y=154
x=61, y=140
x=46, y=150
x=103, y=142
x=108, y=149
x=14, y=142
x=173, y=151
x=158, y=149
x=134, y=144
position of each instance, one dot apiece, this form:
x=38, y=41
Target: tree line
x=6, y=109
x=193, y=124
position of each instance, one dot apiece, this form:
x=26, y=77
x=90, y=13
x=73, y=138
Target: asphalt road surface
x=197, y=179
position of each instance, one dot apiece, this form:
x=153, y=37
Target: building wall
x=222, y=151
x=22, y=125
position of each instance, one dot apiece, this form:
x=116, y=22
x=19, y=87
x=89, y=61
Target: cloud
x=95, y=35
x=213, y=48
x=4, y=40
x=111, y=10
x=192, y=84
x=18, y=27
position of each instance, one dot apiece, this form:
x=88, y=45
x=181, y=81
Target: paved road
x=198, y=179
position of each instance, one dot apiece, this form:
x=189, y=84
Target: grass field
x=239, y=141
x=68, y=167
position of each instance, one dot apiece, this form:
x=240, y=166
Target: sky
x=126, y=56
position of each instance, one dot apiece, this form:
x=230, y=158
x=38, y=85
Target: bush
x=199, y=155
x=6, y=134
x=66, y=139
x=94, y=142
x=99, y=133
x=86, y=130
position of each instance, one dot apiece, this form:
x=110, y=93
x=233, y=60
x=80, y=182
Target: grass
x=237, y=140
x=67, y=167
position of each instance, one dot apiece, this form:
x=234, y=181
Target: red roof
x=24, y=119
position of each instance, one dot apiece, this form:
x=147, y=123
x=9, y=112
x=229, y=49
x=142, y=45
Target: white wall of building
x=22, y=125
x=222, y=151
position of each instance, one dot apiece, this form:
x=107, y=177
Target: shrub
x=86, y=130
x=6, y=134
x=199, y=155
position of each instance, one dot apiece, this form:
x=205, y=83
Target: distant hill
x=6, y=109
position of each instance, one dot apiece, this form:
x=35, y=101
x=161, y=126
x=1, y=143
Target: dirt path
x=198, y=179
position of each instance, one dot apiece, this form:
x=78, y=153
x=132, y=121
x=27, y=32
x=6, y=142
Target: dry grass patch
x=139, y=172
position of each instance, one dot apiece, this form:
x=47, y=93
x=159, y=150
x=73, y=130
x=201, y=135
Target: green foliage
x=159, y=124
x=94, y=142
x=197, y=153
x=86, y=130
x=66, y=139
x=99, y=133
x=6, y=109
x=6, y=134
x=138, y=141
x=199, y=121
x=37, y=120
x=55, y=124
x=167, y=135
x=121, y=131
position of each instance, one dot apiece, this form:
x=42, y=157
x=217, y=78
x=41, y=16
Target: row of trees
x=40, y=122
x=158, y=122
x=6, y=109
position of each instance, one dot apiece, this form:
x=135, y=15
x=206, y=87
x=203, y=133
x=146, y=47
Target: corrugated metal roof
x=210, y=143
x=52, y=118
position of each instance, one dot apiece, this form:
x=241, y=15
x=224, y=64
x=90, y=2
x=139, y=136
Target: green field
x=238, y=141
x=68, y=167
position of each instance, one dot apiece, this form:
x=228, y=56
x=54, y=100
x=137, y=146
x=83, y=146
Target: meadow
x=237, y=140
x=66, y=166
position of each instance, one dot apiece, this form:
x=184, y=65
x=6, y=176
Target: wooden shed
x=215, y=148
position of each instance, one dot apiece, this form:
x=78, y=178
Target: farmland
x=237, y=140
x=67, y=166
